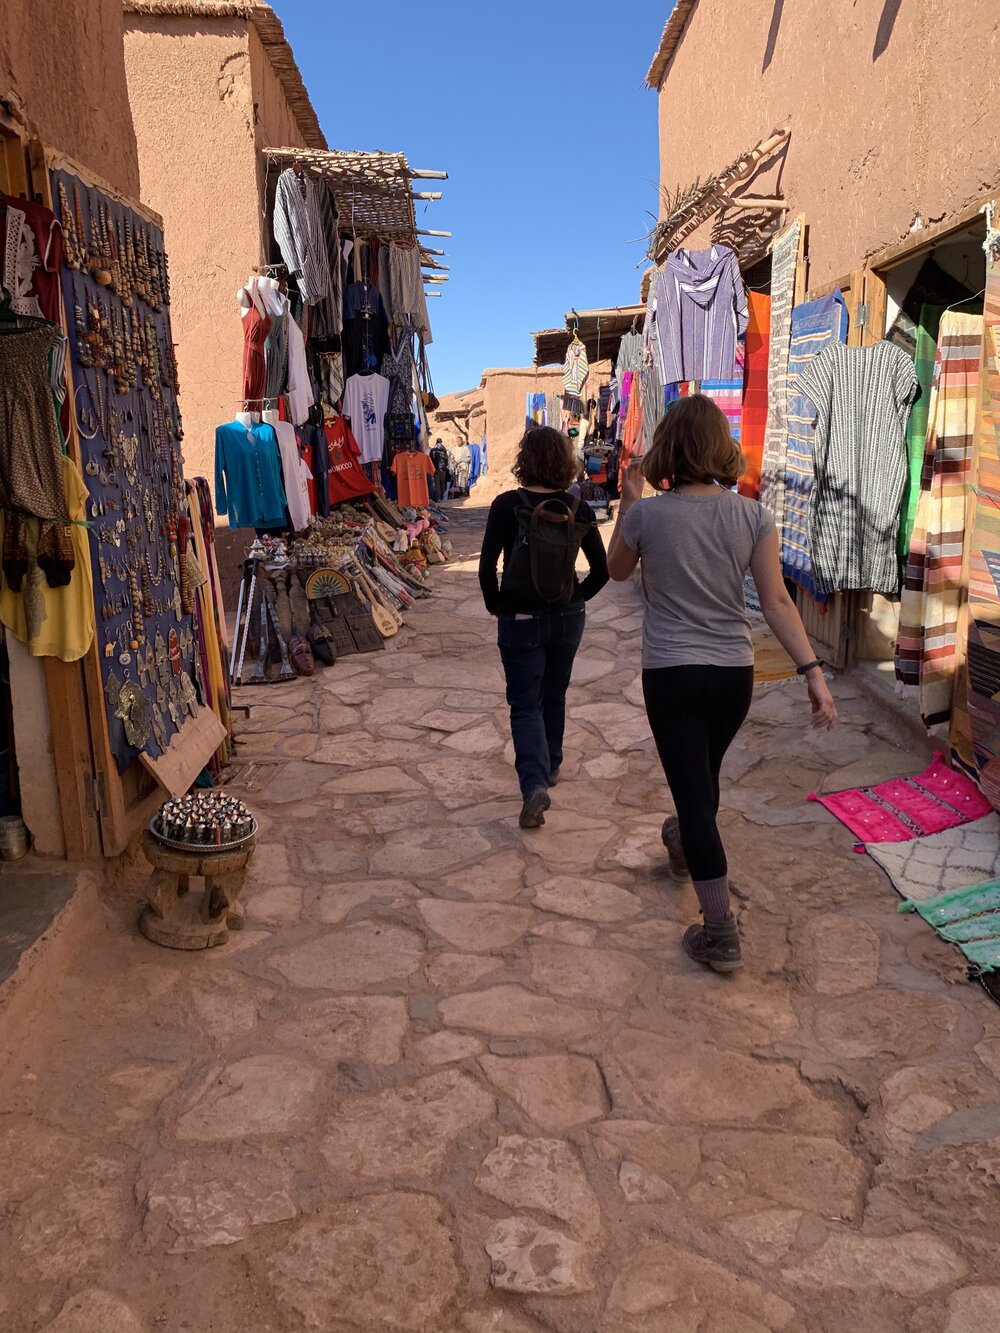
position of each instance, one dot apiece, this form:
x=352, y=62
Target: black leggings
x=694, y=713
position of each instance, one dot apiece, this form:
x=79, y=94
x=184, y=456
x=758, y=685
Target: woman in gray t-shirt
x=694, y=544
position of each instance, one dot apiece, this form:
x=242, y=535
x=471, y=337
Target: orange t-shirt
x=412, y=469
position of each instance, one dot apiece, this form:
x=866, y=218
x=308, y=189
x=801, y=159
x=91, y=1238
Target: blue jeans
x=537, y=652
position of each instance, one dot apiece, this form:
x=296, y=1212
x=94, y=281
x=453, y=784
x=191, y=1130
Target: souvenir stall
x=342, y=586
x=102, y=578
x=329, y=448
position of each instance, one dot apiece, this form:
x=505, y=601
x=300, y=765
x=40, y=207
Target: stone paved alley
x=444, y=1051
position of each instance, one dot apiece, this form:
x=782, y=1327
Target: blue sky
x=539, y=114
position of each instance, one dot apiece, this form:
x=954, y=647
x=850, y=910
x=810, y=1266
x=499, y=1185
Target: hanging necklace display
x=87, y=425
x=125, y=411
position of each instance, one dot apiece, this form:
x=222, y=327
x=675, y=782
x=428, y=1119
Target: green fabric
x=916, y=430
x=969, y=918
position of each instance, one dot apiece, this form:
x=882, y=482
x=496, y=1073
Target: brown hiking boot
x=671, y=837
x=716, y=944
x=533, y=810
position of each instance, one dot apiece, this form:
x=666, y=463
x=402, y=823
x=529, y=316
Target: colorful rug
x=904, y=808
x=784, y=261
x=754, y=422
x=944, y=862
x=969, y=918
x=815, y=325
x=929, y=647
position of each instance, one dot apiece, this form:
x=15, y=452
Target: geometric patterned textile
x=926, y=867
x=905, y=808
x=969, y=918
x=815, y=325
x=784, y=262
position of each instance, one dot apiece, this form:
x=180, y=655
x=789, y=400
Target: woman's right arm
x=622, y=559
x=784, y=620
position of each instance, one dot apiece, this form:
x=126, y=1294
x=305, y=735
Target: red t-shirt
x=412, y=469
x=346, y=480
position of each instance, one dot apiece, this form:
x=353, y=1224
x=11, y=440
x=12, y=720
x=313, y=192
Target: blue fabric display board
x=124, y=378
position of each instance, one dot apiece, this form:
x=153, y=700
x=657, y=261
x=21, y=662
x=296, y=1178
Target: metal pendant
x=112, y=689
x=133, y=709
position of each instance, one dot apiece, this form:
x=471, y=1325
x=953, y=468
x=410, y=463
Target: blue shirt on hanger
x=248, y=484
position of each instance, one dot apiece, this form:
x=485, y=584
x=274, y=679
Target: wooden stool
x=174, y=918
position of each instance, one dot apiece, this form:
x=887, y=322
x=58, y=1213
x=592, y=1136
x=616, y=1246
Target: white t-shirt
x=366, y=398
x=300, y=394
x=294, y=472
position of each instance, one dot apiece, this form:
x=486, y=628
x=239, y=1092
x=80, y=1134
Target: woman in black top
x=538, y=638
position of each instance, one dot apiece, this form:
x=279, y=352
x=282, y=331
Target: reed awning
x=600, y=331
x=374, y=191
x=685, y=210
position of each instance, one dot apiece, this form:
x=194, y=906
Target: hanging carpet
x=815, y=325
x=784, y=261
x=754, y=422
x=928, y=651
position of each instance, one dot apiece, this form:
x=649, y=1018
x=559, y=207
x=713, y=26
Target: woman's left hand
x=824, y=707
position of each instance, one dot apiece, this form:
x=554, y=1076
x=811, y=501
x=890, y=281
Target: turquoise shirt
x=248, y=484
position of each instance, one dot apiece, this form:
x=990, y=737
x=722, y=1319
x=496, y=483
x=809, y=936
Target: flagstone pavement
x=458, y=1078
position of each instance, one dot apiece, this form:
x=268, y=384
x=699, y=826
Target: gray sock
x=713, y=896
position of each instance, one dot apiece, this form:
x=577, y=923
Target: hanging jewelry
x=134, y=711
x=87, y=425
x=83, y=253
x=71, y=241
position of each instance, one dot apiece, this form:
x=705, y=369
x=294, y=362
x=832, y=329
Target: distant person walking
x=440, y=459
x=694, y=545
x=539, y=603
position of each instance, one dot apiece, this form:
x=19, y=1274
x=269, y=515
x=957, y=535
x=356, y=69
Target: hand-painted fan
x=326, y=583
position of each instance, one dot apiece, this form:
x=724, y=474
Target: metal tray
x=202, y=848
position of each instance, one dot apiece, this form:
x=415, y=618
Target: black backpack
x=542, y=564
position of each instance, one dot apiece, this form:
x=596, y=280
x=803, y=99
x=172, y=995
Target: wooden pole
x=433, y=233
x=428, y=175
x=425, y=194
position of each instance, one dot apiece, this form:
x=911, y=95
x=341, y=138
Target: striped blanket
x=976, y=726
x=928, y=652
x=727, y=395
x=815, y=325
x=784, y=260
x=926, y=336
x=754, y=422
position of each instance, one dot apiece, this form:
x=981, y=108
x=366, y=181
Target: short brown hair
x=692, y=443
x=545, y=457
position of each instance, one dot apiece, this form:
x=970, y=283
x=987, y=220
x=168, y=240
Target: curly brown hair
x=691, y=444
x=545, y=457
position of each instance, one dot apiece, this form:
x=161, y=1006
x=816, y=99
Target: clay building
x=211, y=84
x=885, y=109
x=863, y=141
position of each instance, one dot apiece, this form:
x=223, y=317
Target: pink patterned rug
x=905, y=808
